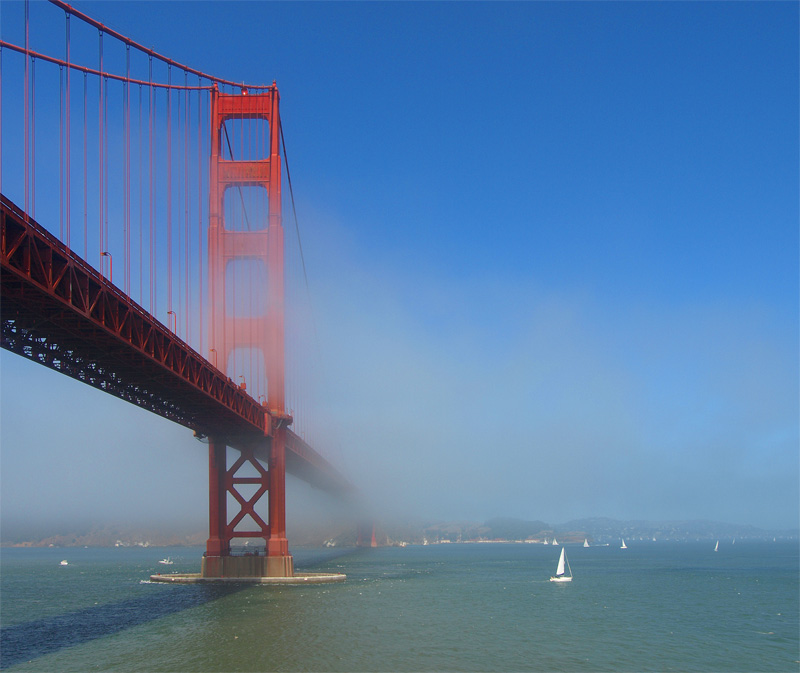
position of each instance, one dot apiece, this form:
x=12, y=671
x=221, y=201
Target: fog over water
x=552, y=252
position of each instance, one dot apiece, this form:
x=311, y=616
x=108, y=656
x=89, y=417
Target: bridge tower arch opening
x=245, y=228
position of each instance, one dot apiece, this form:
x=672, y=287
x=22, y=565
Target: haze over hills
x=598, y=530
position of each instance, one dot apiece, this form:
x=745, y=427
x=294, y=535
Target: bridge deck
x=60, y=312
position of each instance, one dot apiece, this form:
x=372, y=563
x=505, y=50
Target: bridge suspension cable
x=131, y=147
x=150, y=52
x=132, y=170
x=100, y=73
x=141, y=164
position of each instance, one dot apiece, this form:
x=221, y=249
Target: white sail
x=623, y=545
x=561, y=575
x=585, y=542
x=555, y=542
x=716, y=546
x=560, y=568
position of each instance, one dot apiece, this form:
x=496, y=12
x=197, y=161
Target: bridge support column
x=366, y=530
x=279, y=561
x=217, y=545
x=272, y=560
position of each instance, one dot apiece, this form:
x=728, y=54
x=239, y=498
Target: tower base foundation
x=215, y=567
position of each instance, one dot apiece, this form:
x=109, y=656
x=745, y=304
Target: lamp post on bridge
x=110, y=265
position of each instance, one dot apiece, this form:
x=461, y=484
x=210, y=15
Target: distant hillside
x=604, y=529
x=598, y=530
x=111, y=537
x=515, y=529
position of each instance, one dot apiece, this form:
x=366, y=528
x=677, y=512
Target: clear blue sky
x=552, y=249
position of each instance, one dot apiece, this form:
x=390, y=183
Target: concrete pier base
x=280, y=566
x=248, y=569
x=246, y=566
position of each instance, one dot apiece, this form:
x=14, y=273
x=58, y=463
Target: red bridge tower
x=260, y=243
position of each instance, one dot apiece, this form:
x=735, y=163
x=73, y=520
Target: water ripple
x=23, y=642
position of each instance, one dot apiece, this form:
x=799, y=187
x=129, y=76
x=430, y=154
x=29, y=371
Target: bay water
x=656, y=606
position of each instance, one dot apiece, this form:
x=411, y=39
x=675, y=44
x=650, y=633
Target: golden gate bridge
x=142, y=252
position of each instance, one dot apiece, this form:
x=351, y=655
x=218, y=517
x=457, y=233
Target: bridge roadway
x=59, y=311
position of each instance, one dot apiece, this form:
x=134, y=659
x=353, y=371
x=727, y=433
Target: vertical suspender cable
x=169, y=191
x=126, y=92
x=61, y=158
x=187, y=100
x=100, y=150
x=154, y=196
x=179, y=230
x=106, y=136
x=200, y=216
x=33, y=137
x=151, y=200
x=234, y=267
x=179, y=140
x=27, y=140
x=247, y=156
x=68, y=153
x=141, y=249
x=263, y=218
x=178, y=209
x=85, y=173
x=1, y=120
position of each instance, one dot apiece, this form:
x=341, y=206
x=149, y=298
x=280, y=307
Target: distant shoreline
x=500, y=530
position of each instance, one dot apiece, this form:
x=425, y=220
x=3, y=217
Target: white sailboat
x=585, y=542
x=545, y=541
x=561, y=575
x=555, y=542
x=716, y=546
x=623, y=545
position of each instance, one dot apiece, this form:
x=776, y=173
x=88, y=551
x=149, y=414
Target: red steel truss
x=58, y=311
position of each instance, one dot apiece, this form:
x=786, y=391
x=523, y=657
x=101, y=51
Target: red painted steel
x=366, y=529
x=60, y=312
x=229, y=332
x=153, y=54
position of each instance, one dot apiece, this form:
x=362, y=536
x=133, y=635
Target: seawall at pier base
x=297, y=578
